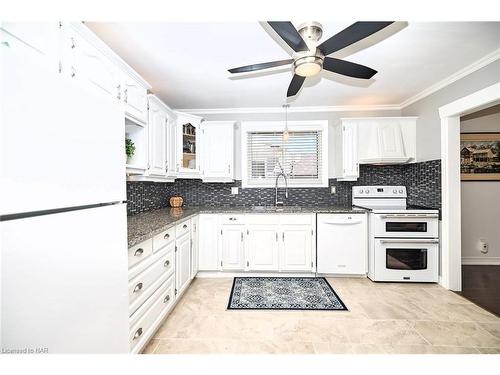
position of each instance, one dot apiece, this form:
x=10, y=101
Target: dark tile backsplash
x=423, y=182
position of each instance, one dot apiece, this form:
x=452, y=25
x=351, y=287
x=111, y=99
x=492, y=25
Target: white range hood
x=386, y=140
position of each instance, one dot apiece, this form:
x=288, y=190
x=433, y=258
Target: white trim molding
x=476, y=65
x=481, y=261
x=451, y=252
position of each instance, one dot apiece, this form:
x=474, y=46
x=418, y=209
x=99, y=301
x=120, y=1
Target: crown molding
x=246, y=110
x=481, y=63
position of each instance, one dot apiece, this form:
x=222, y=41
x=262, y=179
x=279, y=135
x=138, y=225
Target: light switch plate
x=333, y=189
x=234, y=190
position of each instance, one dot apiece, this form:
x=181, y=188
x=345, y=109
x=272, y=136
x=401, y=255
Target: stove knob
x=361, y=191
x=394, y=191
x=401, y=191
x=367, y=191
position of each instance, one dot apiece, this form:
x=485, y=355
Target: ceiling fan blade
x=254, y=67
x=352, y=34
x=348, y=68
x=289, y=34
x=295, y=85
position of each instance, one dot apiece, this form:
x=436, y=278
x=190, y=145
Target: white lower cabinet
x=208, y=237
x=194, y=246
x=232, y=247
x=296, y=248
x=182, y=263
x=262, y=247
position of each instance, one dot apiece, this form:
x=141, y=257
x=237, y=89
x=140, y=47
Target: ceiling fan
x=310, y=56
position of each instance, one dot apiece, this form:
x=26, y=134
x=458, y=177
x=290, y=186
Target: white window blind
x=300, y=157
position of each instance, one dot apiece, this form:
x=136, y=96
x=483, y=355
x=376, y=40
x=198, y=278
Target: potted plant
x=129, y=149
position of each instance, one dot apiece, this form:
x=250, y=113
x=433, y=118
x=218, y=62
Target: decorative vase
x=176, y=202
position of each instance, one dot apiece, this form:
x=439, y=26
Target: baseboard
x=481, y=261
x=221, y=274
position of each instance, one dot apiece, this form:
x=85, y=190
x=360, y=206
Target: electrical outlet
x=333, y=189
x=234, y=190
x=483, y=246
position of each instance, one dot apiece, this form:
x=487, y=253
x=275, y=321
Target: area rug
x=283, y=293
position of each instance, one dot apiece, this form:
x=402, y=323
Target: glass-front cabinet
x=187, y=145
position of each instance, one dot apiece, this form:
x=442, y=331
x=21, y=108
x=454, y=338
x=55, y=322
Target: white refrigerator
x=63, y=233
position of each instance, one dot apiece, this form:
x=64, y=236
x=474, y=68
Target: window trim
x=277, y=126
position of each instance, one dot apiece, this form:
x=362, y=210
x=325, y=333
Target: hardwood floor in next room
x=481, y=285
x=382, y=318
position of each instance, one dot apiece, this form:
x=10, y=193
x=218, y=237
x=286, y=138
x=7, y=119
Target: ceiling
x=186, y=63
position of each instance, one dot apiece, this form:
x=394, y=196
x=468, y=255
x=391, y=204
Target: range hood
x=381, y=142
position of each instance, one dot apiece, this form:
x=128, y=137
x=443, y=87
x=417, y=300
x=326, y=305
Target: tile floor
x=382, y=318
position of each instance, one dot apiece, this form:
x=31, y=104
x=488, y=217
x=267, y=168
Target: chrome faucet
x=281, y=173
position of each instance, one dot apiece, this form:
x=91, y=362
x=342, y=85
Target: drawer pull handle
x=138, y=288
x=139, y=252
x=167, y=298
x=232, y=218
x=185, y=226
x=166, y=236
x=138, y=334
x=167, y=263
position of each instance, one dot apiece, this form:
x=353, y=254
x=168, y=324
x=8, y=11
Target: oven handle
x=343, y=222
x=404, y=216
x=409, y=240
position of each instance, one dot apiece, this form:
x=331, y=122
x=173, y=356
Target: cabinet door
x=350, y=152
x=187, y=144
x=208, y=235
x=183, y=263
x=157, y=139
x=232, y=247
x=194, y=246
x=135, y=99
x=217, y=150
x=390, y=139
x=296, y=248
x=262, y=248
x=83, y=62
x=342, y=244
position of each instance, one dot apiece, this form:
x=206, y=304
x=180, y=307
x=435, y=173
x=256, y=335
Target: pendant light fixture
x=285, y=132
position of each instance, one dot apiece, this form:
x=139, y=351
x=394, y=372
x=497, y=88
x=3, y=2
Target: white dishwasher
x=342, y=244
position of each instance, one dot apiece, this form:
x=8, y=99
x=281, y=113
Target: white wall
x=332, y=117
x=428, y=123
x=481, y=204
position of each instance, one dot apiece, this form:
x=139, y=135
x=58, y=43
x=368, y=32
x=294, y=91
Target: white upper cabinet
x=36, y=40
x=386, y=140
x=232, y=247
x=187, y=141
x=135, y=98
x=85, y=63
x=346, y=151
x=217, y=151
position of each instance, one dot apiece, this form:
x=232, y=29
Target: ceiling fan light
x=308, y=66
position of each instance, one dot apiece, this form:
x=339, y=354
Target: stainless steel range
x=403, y=241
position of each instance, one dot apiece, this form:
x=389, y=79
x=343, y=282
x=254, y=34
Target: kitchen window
x=301, y=155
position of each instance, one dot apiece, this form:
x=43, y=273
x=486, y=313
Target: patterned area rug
x=283, y=293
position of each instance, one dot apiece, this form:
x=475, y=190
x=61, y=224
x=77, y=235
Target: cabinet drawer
x=164, y=238
x=183, y=228
x=297, y=219
x=139, y=252
x=262, y=219
x=144, y=284
x=156, y=308
x=232, y=219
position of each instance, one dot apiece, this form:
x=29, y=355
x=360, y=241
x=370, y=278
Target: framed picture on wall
x=480, y=156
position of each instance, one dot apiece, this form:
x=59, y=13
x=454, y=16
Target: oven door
x=406, y=259
x=405, y=225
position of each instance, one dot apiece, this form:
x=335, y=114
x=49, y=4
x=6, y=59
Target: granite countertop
x=148, y=224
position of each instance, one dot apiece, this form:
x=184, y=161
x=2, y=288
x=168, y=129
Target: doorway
x=480, y=208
